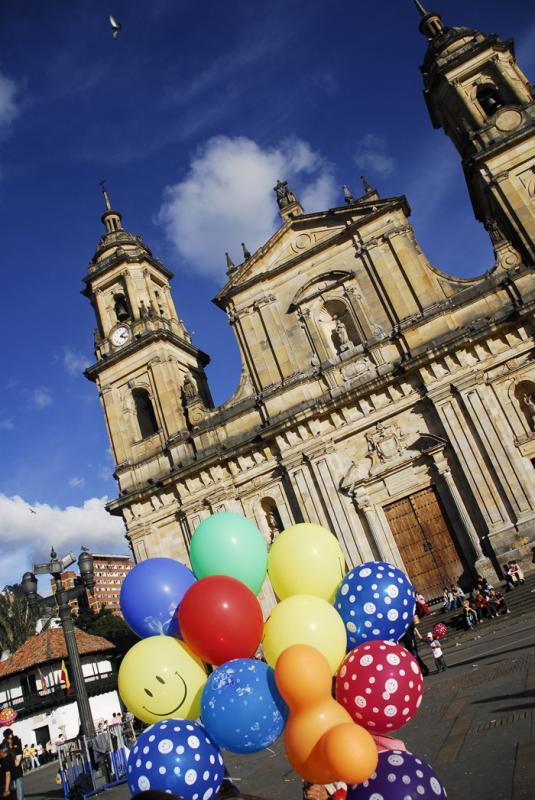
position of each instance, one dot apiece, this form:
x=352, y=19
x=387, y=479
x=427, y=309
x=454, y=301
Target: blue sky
x=189, y=115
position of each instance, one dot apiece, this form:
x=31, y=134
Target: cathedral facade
x=379, y=397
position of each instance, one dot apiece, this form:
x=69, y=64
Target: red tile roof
x=50, y=646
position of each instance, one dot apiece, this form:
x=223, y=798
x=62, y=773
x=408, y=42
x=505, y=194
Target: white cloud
x=41, y=398
x=28, y=537
x=75, y=482
x=6, y=424
x=74, y=362
x=8, y=104
x=227, y=197
x=371, y=154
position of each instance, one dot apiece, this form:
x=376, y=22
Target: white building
x=31, y=683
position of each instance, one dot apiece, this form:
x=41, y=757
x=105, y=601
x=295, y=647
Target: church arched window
x=488, y=97
x=121, y=307
x=145, y=413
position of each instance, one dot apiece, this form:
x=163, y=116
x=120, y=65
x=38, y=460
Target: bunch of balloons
x=210, y=615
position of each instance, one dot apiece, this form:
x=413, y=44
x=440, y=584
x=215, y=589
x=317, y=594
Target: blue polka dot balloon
x=176, y=756
x=400, y=776
x=375, y=601
x=241, y=706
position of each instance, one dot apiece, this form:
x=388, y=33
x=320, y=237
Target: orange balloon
x=351, y=752
x=317, y=725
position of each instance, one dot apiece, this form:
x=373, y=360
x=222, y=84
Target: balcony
x=42, y=700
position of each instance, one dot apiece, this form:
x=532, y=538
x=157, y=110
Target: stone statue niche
x=342, y=332
x=273, y=518
x=525, y=395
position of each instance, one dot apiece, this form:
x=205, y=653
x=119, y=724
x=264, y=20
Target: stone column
x=102, y=312
x=376, y=529
x=473, y=463
x=303, y=315
x=150, y=289
x=339, y=523
x=306, y=495
x=509, y=475
x=444, y=471
x=131, y=294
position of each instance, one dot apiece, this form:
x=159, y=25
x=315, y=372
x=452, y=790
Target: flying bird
x=32, y=510
x=116, y=26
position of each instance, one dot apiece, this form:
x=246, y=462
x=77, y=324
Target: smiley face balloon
x=161, y=678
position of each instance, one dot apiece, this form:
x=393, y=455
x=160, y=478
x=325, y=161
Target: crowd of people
x=35, y=755
x=484, y=601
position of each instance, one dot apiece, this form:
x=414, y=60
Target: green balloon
x=229, y=544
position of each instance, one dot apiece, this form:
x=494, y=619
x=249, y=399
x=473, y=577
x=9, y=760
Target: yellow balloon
x=306, y=559
x=305, y=619
x=161, y=678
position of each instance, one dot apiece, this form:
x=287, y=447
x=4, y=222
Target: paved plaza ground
x=476, y=725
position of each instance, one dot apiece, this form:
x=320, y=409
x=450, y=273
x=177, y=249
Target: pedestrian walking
x=436, y=648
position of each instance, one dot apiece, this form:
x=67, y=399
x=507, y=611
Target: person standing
x=33, y=756
x=14, y=747
x=26, y=758
x=409, y=641
x=437, y=653
x=5, y=770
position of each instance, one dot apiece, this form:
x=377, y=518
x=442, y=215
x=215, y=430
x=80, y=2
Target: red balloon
x=440, y=630
x=381, y=686
x=220, y=619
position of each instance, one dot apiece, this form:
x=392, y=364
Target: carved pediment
x=321, y=284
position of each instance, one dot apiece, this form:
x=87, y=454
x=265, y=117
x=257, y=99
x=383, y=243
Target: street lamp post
x=61, y=599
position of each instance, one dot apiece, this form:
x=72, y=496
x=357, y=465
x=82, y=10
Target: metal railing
x=97, y=763
x=41, y=699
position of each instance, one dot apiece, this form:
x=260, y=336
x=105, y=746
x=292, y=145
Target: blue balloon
x=175, y=756
x=241, y=707
x=151, y=594
x=376, y=601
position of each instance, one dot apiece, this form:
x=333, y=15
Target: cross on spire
x=105, y=193
x=420, y=8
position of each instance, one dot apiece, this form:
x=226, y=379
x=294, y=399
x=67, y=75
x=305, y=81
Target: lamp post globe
x=61, y=599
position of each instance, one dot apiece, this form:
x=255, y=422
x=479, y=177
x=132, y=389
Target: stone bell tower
x=149, y=375
x=478, y=94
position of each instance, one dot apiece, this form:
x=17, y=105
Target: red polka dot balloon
x=380, y=684
x=439, y=630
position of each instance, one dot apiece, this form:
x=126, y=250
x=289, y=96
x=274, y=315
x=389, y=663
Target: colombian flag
x=65, y=677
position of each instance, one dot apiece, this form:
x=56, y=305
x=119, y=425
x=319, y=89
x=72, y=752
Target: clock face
x=120, y=335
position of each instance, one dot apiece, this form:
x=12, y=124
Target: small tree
x=17, y=620
x=103, y=623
